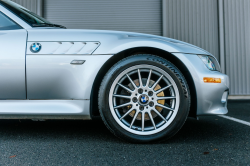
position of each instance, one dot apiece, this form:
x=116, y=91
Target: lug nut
x=150, y=93
x=134, y=99
x=141, y=108
x=140, y=91
x=151, y=104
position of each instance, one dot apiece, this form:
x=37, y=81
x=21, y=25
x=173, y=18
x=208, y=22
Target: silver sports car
x=142, y=86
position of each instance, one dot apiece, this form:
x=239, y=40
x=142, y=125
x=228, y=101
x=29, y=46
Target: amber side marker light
x=211, y=80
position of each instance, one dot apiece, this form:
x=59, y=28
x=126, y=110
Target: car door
x=12, y=59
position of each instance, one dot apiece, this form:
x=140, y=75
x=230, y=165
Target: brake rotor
x=159, y=109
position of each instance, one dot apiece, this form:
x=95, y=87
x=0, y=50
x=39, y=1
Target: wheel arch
x=94, y=112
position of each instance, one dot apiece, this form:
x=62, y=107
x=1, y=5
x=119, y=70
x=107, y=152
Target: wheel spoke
x=151, y=118
x=162, y=89
x=166, y=98
x=157, y=82
x=134, y=118
x=142, y=120
x=122, y=96
x=159, y=115
x=126, y=113
x=149, y=76
x=124, y=87
x=140, y=80
x=163, y=106
x=140, y=90
x=123, y=105
x=132, y=82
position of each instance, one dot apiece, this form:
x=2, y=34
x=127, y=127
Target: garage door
x=124, y=15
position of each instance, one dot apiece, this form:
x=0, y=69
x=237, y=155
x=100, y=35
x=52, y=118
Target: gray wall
x=197, y=22
x=124, y=15
x=33, y=5
x=193, y=21
x=237, y=45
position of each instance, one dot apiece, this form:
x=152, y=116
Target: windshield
x=29, y=17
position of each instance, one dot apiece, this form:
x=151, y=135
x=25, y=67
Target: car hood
x=111, y=42
x=193, y=48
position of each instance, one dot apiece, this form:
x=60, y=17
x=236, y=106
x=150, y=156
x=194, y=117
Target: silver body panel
x=12, y=64
x=53, y=77
x=112, y=42
x=55, y=87
x=64, y=48
x=209, y=95
x=44, y=107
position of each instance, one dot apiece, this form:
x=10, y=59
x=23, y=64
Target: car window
x=7, y=24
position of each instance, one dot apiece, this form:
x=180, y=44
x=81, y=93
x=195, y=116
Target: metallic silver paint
x=52, y=76
x=209, y=95
x=112, y=42
x=12, y=64
x=44, y=107
x=64, y=48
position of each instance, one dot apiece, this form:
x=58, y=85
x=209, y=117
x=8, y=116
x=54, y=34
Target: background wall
x=124, y=15
x=193, y=21
x=237, y=45
x=33, y=5
x=219, y=26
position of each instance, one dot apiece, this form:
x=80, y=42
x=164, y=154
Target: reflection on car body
x=142, y=86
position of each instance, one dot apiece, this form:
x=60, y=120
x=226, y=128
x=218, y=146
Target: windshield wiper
x=48, y=25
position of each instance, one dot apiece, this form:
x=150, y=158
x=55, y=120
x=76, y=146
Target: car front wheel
x=144, y=98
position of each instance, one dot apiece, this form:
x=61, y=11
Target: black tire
x=168, y=67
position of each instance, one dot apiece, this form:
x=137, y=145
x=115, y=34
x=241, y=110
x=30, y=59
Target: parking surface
x=211, y=140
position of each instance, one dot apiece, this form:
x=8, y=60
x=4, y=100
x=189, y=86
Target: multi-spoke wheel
x=142, y=99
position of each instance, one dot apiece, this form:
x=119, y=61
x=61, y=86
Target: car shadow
x=61, y=130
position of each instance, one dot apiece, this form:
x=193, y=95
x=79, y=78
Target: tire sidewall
x=112, y=74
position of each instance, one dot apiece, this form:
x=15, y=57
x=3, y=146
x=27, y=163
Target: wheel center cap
x=143, y=99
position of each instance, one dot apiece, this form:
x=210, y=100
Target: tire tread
x=164, y=62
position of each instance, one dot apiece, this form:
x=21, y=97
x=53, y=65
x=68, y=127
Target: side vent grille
x=68, y=48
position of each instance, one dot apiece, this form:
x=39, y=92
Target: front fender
x=122, y=44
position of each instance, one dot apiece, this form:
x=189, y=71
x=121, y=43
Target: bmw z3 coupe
x=142, y=86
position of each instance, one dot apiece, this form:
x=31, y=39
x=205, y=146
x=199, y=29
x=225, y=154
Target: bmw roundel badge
x=35, y=47
x=143, y=99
